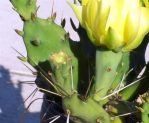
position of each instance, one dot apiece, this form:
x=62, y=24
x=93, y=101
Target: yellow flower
x=115, y=24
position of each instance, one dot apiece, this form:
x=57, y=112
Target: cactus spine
x=82, y=78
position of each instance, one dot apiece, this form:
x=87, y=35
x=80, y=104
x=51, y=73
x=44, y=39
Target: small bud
x=19, y=32
x=53, y=16
x=63, y=22
x=60, y=58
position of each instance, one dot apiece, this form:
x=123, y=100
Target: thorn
x=55, y=119
x=67, y=36
x=35, y=73
x=14, y=9
x=23, y=59
x=68, y=115
x=31, y=95
x=52, y=8
x=18, y=52
x=23, y=18
x=63, y=22
x=33, y=16
x=37, y=10
x=21, y=33
x=28, y=68
x=140, y=109
x=50, y=92
x=53, y=16
x=25, y=111
x=21, y=73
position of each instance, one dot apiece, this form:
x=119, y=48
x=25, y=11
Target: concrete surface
x=12, y=71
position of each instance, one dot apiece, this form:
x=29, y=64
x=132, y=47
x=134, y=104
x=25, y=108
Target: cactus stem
x=89, y=111
x=19, y=32
x=106, y=68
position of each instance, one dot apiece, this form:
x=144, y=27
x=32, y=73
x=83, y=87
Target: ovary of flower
x=115, y=24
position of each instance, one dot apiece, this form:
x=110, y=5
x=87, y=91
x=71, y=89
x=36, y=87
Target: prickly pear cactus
x=90, y=84
x=25, y=8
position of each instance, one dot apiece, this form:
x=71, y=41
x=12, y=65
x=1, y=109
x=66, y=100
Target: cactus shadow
x=11, y=101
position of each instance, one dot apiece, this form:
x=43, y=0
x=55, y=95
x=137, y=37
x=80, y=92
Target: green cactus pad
x=88, y=111
x=25, y=8
x=43, y=38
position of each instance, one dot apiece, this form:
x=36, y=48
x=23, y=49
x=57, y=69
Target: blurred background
x=13, y=72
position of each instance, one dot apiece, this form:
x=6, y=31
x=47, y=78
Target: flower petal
x=143, y=30
x=101, y=18
x=132, y=24
x=90, y=12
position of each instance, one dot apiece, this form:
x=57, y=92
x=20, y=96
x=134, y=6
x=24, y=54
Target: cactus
x=145, y=107
x=87, y=81
x=25, y=8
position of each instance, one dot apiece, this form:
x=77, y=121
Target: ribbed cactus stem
x=106, y=70
x=88, y=111
x=44, y=38
x=122, y=71
x=145, y=107
x=61, y=64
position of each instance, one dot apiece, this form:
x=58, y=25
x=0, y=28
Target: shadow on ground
x=11, y=101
